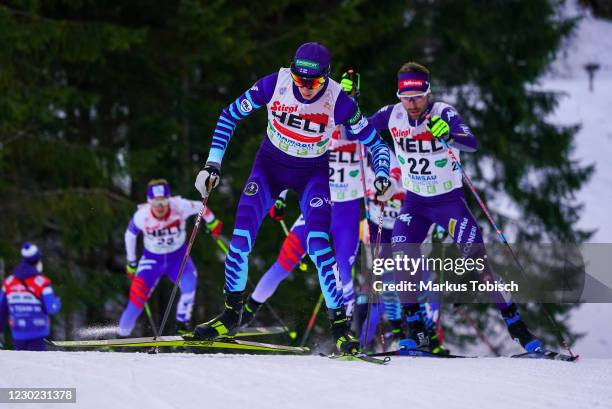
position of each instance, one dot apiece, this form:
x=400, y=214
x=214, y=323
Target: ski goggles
x=414, y=97
x=158, y=201
x=310, y=83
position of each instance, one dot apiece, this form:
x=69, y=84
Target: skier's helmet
x=311, y=65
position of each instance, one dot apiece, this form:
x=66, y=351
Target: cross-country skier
x=434, y=185
x=304, y=106
x=346, y=188
x=27, y=299
x=162, y=223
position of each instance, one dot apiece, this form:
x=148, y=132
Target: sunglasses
x=310, y=83
x=414, y=97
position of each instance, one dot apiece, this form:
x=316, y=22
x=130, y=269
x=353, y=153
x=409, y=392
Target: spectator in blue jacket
x=27, y=299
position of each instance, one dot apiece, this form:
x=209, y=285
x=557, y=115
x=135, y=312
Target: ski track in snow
x=127, y=380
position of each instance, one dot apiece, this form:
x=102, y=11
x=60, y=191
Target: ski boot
x=519, y=331
x=418, y=334
x=341, y=332
x=251, y=307
x=397, y=332
x=435, y=346
x=182, y=328
x=224, y=323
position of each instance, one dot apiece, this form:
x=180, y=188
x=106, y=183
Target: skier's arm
x=51, y=302
x=348, y=114
x=254, y=98
x=451, y=127
x=191, y=207
x=130, y=238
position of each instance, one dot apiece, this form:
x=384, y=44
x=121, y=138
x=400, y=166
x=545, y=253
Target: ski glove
x=131, y=268
x=382, y=185
x=351, y=82
x=208, y=178
x=215, y=227
x=439, y=128
x=277, y=212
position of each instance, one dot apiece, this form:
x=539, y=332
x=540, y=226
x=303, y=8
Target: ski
x=358, y=357
x=179, y=341
x=552, y=355
x=427, y=354
x=257, y=331
x=417, y=353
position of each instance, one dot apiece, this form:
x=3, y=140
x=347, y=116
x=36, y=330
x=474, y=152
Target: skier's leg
x=463, y=228
x=33, y=344
x=188, y=285
x=316, y=208
x=292, y=251
x=148, y=273
x=390, y=302
x=255, y=201
x=345, y=236
x=409, y=231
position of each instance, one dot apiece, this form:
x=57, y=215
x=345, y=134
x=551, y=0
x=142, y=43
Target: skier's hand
x=277, y=212
x=208, y=178
x=382, y=185
x=390, y=193
x=131, y=268
x=438, y=128
x=215, y=227
x=351, y=82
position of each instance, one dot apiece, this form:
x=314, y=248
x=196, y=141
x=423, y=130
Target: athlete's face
x=414, y=102
x=308, y=93
x=159, y=207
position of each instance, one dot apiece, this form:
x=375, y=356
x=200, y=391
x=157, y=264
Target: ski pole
x=152, y=350
x=194, y=232
x=367, y=232
x=151, y=321
x=501, y=237
x=376, y=254
x=378, y=240
x=312, y=320
x=272, y=311
x=478, y=332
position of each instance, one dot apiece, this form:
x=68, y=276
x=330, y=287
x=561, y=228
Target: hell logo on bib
x=302, y=127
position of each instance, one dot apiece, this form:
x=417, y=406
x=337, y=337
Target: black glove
x=382, y=185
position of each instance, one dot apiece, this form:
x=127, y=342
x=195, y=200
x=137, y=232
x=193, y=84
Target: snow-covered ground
x=589, y=44
x=182, y=381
